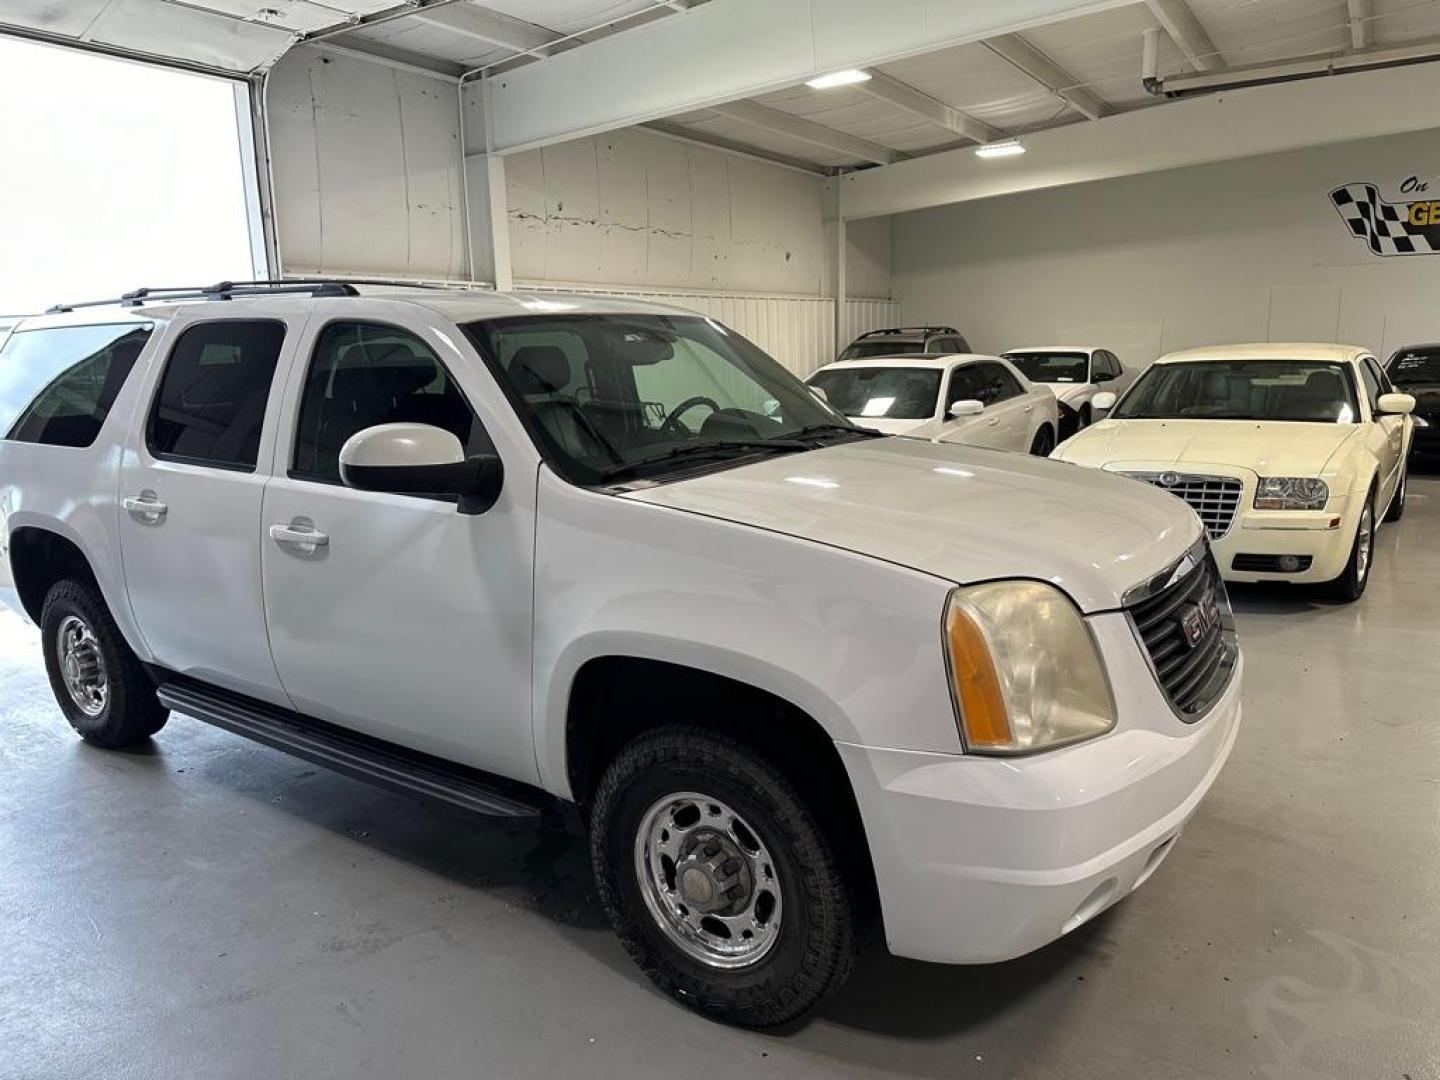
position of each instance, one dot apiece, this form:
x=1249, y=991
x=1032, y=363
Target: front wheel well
x=613, y=699
x=38, y=559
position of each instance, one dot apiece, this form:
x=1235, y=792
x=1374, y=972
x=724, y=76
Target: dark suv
x=900, y=340
x=1415, y=369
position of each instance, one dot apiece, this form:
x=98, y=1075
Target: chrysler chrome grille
x=1214, y=498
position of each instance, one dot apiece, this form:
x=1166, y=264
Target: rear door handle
x=306, y=538
x=145, y=506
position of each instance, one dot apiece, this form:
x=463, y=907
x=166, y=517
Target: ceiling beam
x=1187, y=33
x=380, y=52
x=1359, y=23
x=904, y=96
x=1023, y=56
x=720, y=52
x=694, y=137
x=491, y=27
x=1241, y=123
x=797, y=127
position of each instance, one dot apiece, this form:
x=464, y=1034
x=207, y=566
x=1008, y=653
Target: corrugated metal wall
x=799, y=331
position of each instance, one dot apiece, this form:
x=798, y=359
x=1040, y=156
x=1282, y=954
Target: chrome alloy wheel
x=82, y=665
x=1365, y=541
x=708, y=880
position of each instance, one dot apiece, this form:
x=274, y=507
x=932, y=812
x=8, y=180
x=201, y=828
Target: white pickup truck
x=524, y=553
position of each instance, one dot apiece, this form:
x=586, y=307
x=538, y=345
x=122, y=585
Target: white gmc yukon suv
x=524, y=553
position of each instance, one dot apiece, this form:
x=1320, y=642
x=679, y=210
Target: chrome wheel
x=1364, y=541
x=82, y=665
x=708, y=880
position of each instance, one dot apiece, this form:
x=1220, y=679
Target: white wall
x=1239, y=251
x=366, y=165
x=637, y=208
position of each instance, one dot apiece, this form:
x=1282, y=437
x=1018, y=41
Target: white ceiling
x=1093, y=58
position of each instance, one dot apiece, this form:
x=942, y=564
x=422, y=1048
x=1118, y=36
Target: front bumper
x=981, y=859
x=1324, y=537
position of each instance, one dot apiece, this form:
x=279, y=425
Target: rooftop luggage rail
x=910, y=330
x=229, y=290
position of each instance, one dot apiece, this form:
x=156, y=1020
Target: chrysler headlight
x=1291, y=493
x=1025, y=669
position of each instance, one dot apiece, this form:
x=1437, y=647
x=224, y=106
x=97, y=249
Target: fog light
x=1289, y=563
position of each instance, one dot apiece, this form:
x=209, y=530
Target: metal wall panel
x=799, y=331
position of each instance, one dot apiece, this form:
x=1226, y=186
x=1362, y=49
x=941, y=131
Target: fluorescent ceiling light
x=1007, y=148
x=838, y=78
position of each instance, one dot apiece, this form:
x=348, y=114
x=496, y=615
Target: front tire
x=1043, y=443
x=719, y=879
x=1350, y=585
x=99, y=683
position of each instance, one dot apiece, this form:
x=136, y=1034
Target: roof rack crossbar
x=228, y=290
x=910, y=330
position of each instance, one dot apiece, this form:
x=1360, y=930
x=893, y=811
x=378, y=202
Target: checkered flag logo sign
x=1385, y=227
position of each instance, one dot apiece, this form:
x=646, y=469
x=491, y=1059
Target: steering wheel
x=672, y=422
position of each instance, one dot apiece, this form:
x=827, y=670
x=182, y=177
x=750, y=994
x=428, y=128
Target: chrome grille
x=1191, y=670
x=1214, y=498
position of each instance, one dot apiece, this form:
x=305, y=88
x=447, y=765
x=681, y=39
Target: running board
x=352, y=753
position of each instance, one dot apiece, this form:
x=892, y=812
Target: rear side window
x=211, y=403
x=363, y=374
x=57, y=385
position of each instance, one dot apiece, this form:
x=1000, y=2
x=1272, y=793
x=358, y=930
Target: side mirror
x=1395, y=404
x=418, y=459
x=819, y=391
x=1103, y=401
x=966, y=407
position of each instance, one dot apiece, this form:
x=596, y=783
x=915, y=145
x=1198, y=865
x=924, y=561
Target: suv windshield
x=1415, y=368
x=1304, y=390
x=863, y=350
x=1052, y=367
x=896, y=393
x=614, y=398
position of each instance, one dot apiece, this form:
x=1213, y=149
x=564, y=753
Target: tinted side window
x=1381, y=376
x=943, y=345
x=57, y=385
x=363, y=374
x=211, y=403
x=996, y=384
x=1372, y=386
x=964, y=385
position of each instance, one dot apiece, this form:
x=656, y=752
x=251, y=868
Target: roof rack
x=229, y=290
x=911, y=330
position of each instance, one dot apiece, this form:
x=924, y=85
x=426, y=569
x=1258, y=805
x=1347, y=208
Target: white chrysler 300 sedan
x=945, y=397
x=524, y=553
x=1290, y=454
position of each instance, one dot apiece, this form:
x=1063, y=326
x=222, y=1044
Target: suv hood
x=1271, y=448
x=957, y=512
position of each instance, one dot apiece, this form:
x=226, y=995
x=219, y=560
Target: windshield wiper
x=816, y=430
x=701, y=450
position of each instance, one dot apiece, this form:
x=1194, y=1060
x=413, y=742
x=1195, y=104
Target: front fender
x=852, y=641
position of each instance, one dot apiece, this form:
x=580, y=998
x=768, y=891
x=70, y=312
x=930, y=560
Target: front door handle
x=299, y=535
x=145, y=506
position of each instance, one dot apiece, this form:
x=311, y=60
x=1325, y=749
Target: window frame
x=164, y=370
x=315, y=335
x=1373, y=402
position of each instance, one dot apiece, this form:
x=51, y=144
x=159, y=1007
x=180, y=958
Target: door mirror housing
x=418, y=459
x=1102, y=402
x=1395, y=404
x=965, y=407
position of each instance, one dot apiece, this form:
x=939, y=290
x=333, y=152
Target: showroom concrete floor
x=208, y=908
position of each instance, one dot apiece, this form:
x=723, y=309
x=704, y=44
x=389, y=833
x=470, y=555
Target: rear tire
x=1044, y=442
x=1396, y=509
x=663, y=803
x=99, y=683
x=1350, y=585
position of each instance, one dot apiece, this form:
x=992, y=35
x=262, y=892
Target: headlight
x=1291, y=493
x=1025, y=670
